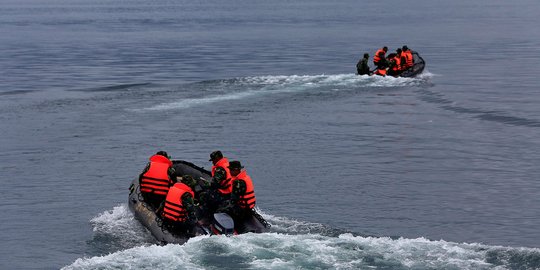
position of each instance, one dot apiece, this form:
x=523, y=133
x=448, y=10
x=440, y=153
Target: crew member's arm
x=189, y=204
x=219, y=175
x=172, y=176
x=238, y=189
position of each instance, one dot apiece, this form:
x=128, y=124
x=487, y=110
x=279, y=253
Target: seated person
x=394, y=60
x=362, y=67
x=179, y=211
x=156, y=179
x=242, y=201
x=214, y=194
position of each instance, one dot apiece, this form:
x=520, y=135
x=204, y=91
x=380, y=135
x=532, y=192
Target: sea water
x=353, y=172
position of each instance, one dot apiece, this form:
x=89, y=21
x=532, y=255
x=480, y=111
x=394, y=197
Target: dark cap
x=404, y=48
x=163, y=153
x=235, y=164
x=215, y=154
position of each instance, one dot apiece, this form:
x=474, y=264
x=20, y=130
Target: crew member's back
x=362, y=67
x=179, y=213
x=379, y=58
x=407, y=55
x=156, y=179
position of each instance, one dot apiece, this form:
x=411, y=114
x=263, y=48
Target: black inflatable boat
x=417, y=68
x=212, y=223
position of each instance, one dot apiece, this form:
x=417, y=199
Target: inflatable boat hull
x=417, y=68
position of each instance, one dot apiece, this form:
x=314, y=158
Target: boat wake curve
x=482, y=114
x=251, y=87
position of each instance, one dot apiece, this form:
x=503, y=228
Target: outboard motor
x=223, y=224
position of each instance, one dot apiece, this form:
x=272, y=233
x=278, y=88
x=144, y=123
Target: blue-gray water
x=436, y=172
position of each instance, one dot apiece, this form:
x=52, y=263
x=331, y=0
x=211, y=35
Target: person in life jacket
x=178, y=212
x=362, y=67
x=382, y=68
x=221, y=175
x=394, y=68
x=242, y=201
x=407, y=55
x=380, y=72
x=380, y=57
x=220, y=187
x=156, y=179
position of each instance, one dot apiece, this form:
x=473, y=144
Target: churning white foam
x=294, y=244
x=305, y=251
x=120, y=223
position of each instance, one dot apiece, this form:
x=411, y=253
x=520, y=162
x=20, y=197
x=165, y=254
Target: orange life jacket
x=225, y=186
x=397, y=65
x=174, y=210
x=247, y=200
x=381, y=72
x=156, y=179
x=408, y=56
x=376, y=57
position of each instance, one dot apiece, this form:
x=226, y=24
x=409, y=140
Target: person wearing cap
x=362, y=67
x=242, y=199
x=220, y=187
x=379, y=59
x=179, y=209
x=407, y=55
x=394, y=68
x=156, y=179
x=221, y=175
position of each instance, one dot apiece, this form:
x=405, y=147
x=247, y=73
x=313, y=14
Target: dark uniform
x=362, y=67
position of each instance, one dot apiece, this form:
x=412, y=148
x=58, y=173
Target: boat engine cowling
x=223, y=224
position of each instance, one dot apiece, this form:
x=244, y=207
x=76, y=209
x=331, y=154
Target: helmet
x=189, y=181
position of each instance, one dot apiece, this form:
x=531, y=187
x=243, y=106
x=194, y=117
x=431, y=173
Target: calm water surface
x=435, y=172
